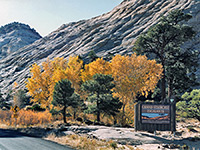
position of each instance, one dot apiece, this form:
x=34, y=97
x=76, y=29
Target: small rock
x=68, y=133
x=88, y=122
x=165, y=145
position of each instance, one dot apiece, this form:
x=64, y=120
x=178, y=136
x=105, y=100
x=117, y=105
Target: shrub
x=25, y=117
x=190, y=106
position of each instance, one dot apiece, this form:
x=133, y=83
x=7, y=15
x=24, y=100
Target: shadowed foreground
x=12, y=140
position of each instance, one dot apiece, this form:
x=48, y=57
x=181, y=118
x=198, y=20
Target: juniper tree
x=163, y=42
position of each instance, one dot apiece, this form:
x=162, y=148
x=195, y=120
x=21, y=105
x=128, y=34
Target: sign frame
x=155, y=126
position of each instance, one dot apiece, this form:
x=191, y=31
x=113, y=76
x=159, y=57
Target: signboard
x=155, y=114
x=15, y=109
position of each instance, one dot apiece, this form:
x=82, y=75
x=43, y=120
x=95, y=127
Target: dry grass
x=25, y=118
x=85, y=143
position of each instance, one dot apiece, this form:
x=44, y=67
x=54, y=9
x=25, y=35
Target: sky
x=46, y=16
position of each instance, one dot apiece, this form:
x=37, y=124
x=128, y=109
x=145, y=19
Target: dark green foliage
x=101, y=95
x=113, y=145
x=37, y=107
x=92, y=56
x=62, y=96
x=162, y=42
x=190, y=105
x=4, y=102
x=78, y=105
x=62, y=93
x=54, y=111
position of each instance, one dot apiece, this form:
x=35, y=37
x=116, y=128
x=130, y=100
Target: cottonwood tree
x=100, y=93
x=163, y=42
x=43, y=79
x=134, y=75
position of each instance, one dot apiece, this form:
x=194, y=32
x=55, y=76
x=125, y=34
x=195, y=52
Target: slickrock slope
x=113, y=32
x=14, y=36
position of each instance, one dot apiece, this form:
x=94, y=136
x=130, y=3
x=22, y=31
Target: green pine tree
x=100, y=92
x=62, y=96
x=163, y=42
x=78, y=105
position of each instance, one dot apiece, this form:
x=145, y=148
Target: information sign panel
x=155, y=114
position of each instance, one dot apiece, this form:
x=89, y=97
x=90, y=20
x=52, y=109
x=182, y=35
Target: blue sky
x=47, y=15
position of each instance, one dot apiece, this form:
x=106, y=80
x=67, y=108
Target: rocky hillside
x=113, y=32
x=14, y=36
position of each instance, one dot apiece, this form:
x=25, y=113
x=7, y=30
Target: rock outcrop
x=112, y=33
x=14, y=36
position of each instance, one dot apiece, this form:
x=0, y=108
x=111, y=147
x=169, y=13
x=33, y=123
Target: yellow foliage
x=25, y=118
x=134, y=75
x=73, y=71
x=97, y=66
x=41, y=84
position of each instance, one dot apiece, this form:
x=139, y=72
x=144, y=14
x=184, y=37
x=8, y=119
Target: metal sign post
x=15, y=109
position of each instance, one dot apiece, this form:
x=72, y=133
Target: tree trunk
x=170, y=89
x=98, y=112
x=163, y=83
x=64, y=114
x=163, y=90
x=74, y=115
x=123, y=115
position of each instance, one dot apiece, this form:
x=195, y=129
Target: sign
x=15, y=109
x=155, y=114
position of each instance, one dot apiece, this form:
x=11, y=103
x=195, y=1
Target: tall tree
x=62, y=96
x=134, y=75
x=162, y=42
x=100, y=92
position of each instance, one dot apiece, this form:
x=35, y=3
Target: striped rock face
x=114, y=32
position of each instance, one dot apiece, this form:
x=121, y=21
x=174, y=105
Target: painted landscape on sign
x=158, y=116
x=155, y=118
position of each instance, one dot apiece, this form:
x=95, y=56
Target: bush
x=25, y=117
x=190, y=106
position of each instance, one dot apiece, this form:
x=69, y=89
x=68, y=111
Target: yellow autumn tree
x=97, y=66
x=41, y=82
x=43, y=79
x=73, y=71
x=134, y=75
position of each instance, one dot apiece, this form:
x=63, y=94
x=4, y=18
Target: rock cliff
x=112, y=33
